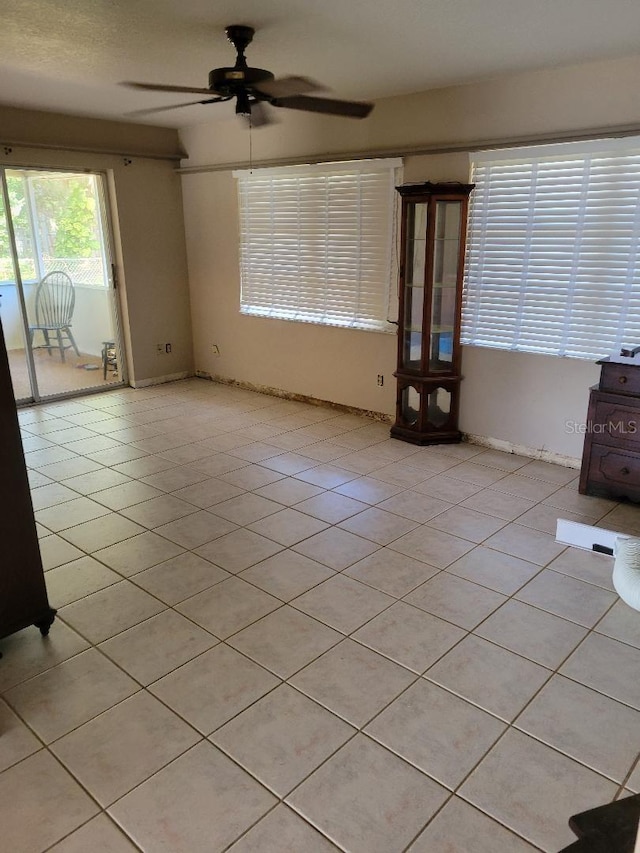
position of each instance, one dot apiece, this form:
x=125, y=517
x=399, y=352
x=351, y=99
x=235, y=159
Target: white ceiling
x=69, y=55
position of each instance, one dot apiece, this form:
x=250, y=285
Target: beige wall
x=537, y=103
x=527, y=400
x=152, y=255
x=19, y=127
x=148, y=225
x=330, y=364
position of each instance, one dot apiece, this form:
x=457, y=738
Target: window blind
x=552, y=252
x=316, y=242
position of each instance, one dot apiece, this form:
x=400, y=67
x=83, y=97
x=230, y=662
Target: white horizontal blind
x=316, y=242
x=553, y=248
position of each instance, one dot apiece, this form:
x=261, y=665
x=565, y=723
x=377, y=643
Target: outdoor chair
x=55, y=301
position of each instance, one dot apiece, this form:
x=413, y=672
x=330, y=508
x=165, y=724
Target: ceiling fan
x=254, y=87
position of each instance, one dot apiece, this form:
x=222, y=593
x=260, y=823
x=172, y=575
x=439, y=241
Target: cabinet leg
x=47, y=622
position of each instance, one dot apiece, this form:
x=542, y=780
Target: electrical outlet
x=167, y=347
x=380, y=379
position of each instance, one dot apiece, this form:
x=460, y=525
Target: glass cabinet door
x=446, y=254
x=439, y=407
x=415, y=254
x=411, y=405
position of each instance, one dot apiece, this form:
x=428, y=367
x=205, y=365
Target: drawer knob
x=625, y=471
x=622, y=380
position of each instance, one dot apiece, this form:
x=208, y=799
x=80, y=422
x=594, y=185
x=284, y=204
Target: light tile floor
x=280, y=630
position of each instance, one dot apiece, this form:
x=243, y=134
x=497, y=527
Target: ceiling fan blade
x=158, y=87
x=152, y=110
x=285, y=87
x=330, y=106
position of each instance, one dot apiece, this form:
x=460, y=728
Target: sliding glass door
x=11, y=309
x=57, y=291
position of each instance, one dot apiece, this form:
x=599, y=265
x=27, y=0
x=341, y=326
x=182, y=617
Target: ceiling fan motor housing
x=229, y=81
x=237, y=80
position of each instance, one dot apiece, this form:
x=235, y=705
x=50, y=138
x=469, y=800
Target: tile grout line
x=419, y=676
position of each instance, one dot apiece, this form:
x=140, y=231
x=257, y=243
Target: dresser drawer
x=620, y=378
x=618, y=470
x=614, y=421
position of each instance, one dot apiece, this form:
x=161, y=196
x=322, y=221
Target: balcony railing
x=89, y=272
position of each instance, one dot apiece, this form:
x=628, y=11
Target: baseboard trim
x=160, y=380
x=296, y=398
x=481, y=440
x=522, y=450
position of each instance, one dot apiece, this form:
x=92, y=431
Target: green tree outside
x=64, y=211
x=22, y=230
x=75, y=235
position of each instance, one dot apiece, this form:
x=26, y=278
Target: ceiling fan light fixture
x=243, y=107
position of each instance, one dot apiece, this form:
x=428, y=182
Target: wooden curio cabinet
x=434, y=219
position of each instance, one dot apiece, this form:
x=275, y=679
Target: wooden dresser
x=611, y=457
